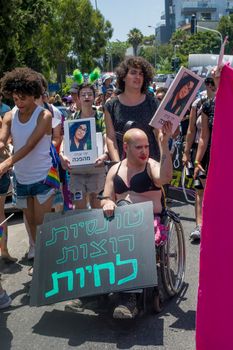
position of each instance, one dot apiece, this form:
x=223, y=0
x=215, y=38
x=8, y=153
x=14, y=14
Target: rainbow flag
x=52, y=178
x=1, y=232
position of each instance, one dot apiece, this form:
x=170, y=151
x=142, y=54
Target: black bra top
x=139, y=183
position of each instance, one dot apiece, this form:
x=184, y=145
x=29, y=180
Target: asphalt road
x=23, y=327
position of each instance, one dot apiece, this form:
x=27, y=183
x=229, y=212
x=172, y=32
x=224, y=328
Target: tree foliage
x=200, y=43
x=225, y=27
x=45, y=33
x=115, y=53
x=135, y=38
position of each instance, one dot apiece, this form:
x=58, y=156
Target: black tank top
x=140, y=114
x=139, y=183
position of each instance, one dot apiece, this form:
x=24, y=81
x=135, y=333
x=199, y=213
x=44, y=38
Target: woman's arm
x=105, y=156
x=111, y=138
x=202, y=144
x=65, y=162
x=190, y=136
x=44, y=126
x=57, y=138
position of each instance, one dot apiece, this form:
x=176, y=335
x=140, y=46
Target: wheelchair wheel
x=172, y=259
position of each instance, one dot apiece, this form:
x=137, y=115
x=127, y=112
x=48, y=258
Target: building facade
x=178, y=13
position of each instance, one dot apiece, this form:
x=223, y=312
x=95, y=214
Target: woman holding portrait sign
x=85, y=184
x=132, y=107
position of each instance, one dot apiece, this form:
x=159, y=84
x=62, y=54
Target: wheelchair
x=170, y=259
x=170, y=263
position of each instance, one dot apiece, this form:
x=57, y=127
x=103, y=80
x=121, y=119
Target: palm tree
x=135, y=38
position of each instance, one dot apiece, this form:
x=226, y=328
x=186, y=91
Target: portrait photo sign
x=80, y=141
x=178, y=99
x=85, y=254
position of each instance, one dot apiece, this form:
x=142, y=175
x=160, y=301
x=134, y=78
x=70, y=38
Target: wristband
x=196, y=163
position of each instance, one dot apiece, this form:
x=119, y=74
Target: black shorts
x=4, y=184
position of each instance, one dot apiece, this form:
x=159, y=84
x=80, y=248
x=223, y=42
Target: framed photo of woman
x=178, y=99
x=80, y=141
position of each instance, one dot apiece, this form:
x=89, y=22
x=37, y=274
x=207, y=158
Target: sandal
x=30, y=271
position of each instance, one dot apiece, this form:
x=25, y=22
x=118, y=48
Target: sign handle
x=3, y=222
x=221, y=54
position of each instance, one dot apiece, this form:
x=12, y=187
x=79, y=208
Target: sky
x=125, y=15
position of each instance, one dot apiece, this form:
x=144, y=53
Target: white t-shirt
x=35, y=165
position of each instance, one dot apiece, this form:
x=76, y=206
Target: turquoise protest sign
x=84, y=254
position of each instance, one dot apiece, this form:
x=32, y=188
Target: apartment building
x=178, y=13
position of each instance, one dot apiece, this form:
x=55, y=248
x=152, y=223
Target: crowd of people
x=33, y=129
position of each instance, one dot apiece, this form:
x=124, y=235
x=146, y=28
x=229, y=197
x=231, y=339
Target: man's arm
x=44, y=126
x=111, y=138
x=108, y=201
x=161, y=173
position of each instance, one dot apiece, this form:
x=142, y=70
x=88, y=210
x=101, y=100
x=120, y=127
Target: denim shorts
x=4, y=184
x=39, y=190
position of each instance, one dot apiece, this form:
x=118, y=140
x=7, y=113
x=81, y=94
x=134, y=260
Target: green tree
x=19, y=22
x=225, y=27
x=200, y=43
x=46, y=33
x=135, y=38
x=116, y=53
x=148, y=52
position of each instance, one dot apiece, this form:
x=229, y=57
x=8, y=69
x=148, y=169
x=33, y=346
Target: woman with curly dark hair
x=133, y=107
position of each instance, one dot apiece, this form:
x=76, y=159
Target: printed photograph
x=80, y=145
x=80, y=136
x=181, y=94
x=178, y=99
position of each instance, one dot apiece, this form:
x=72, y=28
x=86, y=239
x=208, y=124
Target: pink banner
x=215, y=295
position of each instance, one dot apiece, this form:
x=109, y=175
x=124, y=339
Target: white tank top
x=33, y=167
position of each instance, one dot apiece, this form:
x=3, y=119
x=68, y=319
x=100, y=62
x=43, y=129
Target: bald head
x=134, y=134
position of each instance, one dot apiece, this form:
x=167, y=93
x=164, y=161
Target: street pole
x=155, y=48
x=96, y=7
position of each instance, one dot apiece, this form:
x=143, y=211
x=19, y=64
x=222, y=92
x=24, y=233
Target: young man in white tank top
x=30, y=127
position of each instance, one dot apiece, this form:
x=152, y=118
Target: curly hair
x=21, y=81
x=134, y=62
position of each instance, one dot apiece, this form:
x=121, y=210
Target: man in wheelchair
x=138, y=178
